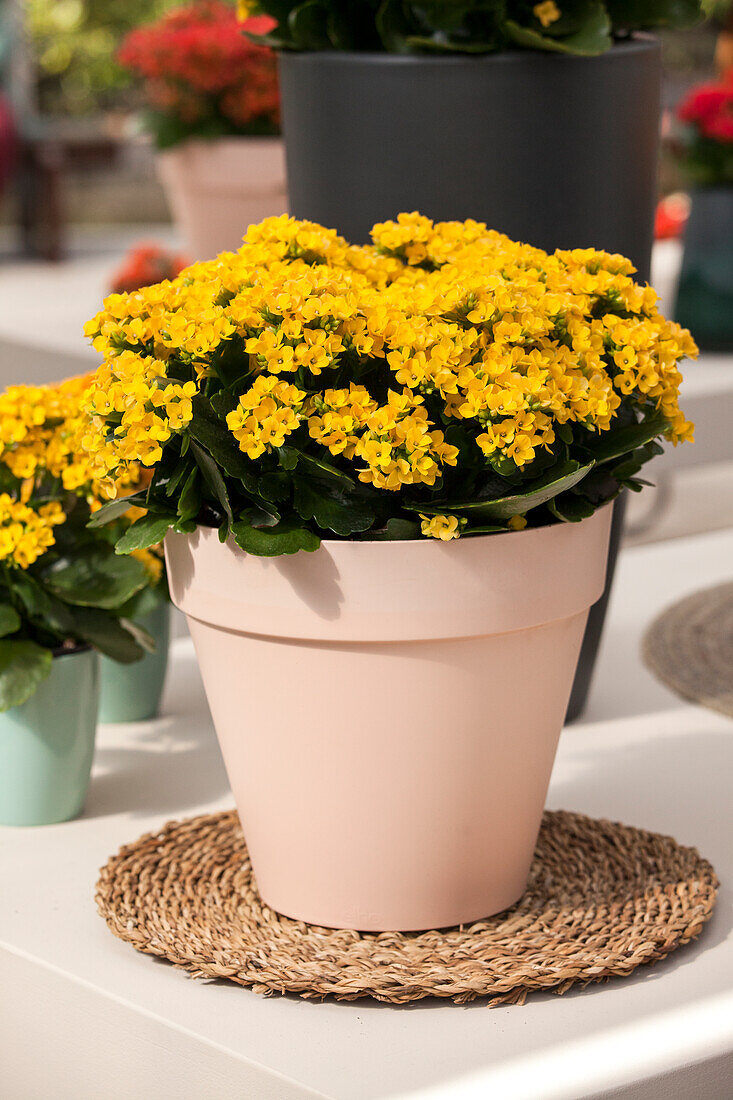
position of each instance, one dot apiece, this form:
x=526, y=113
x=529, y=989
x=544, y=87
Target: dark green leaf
x=96, y=577
x=144, y=532
x=143, y=637
x=144, y=602
x=224, y=402
x=10, y=620
x=275, y=486
x=638, y=14
x=185, y=526
x=213, y=478
x=593, y=36
x=212, y=433
x=43, y=609
x=273, y=541
x=178, y=477
x=106, y=634
x=449, y=45
x=258, y=517
x=531, y=496
x=490, y=529
x=308, y=26
x=613, y=444
x=394, y=530
x=290, y=457
x=189, y=502
x=114, y=509
x=23, y=666
x=571, y=508
x=393, y=26
x=330, y=507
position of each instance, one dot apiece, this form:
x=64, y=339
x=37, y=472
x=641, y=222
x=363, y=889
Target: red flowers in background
x=672, y=214
x=203, y=76
x=144, y=265
x=706, y=141
x=710, y=108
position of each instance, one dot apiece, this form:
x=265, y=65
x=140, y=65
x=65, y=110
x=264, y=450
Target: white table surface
x=84, y=1016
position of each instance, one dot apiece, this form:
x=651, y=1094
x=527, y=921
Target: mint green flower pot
x=132, y=693
x=47, y=744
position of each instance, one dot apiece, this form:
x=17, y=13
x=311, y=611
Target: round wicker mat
x=602, y=900
x=690, y=648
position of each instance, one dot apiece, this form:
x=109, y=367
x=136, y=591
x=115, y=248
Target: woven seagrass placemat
x=602, y=900
x=690, y=648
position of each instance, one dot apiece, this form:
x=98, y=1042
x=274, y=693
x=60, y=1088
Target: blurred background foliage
x=72, y=46
x=73, y=43
x=58, y=65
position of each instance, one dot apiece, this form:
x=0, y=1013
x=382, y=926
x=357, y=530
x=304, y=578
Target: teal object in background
x=705, y=294
x=132, y=693
x=47, y=744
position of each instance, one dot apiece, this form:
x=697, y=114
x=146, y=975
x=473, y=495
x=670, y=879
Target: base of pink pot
x=389, y=713
x=377, y=808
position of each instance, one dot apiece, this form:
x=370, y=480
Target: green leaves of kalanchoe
x=24, y=665
x=73, y=596
x=582, y=27
x=94, y=578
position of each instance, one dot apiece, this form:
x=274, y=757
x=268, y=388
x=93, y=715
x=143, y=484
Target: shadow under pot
x=388, y=712
x=132, y=693
x=47, y=744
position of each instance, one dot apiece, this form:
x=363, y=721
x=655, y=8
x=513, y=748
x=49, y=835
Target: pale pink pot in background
x=389, y=712
x=217, y=188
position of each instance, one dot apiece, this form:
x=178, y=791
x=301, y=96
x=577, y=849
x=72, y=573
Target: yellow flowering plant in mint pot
x=440, y=419
x=63, y=595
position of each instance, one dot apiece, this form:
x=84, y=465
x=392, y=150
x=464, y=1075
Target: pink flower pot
x=388, y=712
x=216, y=189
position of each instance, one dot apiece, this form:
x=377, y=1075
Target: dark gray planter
x=557, y=151
x=554, y=150
x=705, y=293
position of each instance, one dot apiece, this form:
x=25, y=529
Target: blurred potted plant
x=540, y=119
x=214, y=116
x=133, y=692
x=144, y=265
x=705, y=146
x=473, y=108
x=63, y=591
x=430, y=428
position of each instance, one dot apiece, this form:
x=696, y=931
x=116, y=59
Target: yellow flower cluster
x=42, y=429
x=266, y=415
x=132, y=390
x=26, y=533
x=431, y=326
x=399, y=447
x=38, y=430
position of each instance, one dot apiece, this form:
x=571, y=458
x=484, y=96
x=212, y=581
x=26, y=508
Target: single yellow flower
x=245, y=9
x=441, y=527
x=547, y=12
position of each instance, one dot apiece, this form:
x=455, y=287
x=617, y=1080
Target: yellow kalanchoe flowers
x=441, y=355
x=26, y=533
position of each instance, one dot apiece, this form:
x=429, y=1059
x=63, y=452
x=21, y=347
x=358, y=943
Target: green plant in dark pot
x=132, y=692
